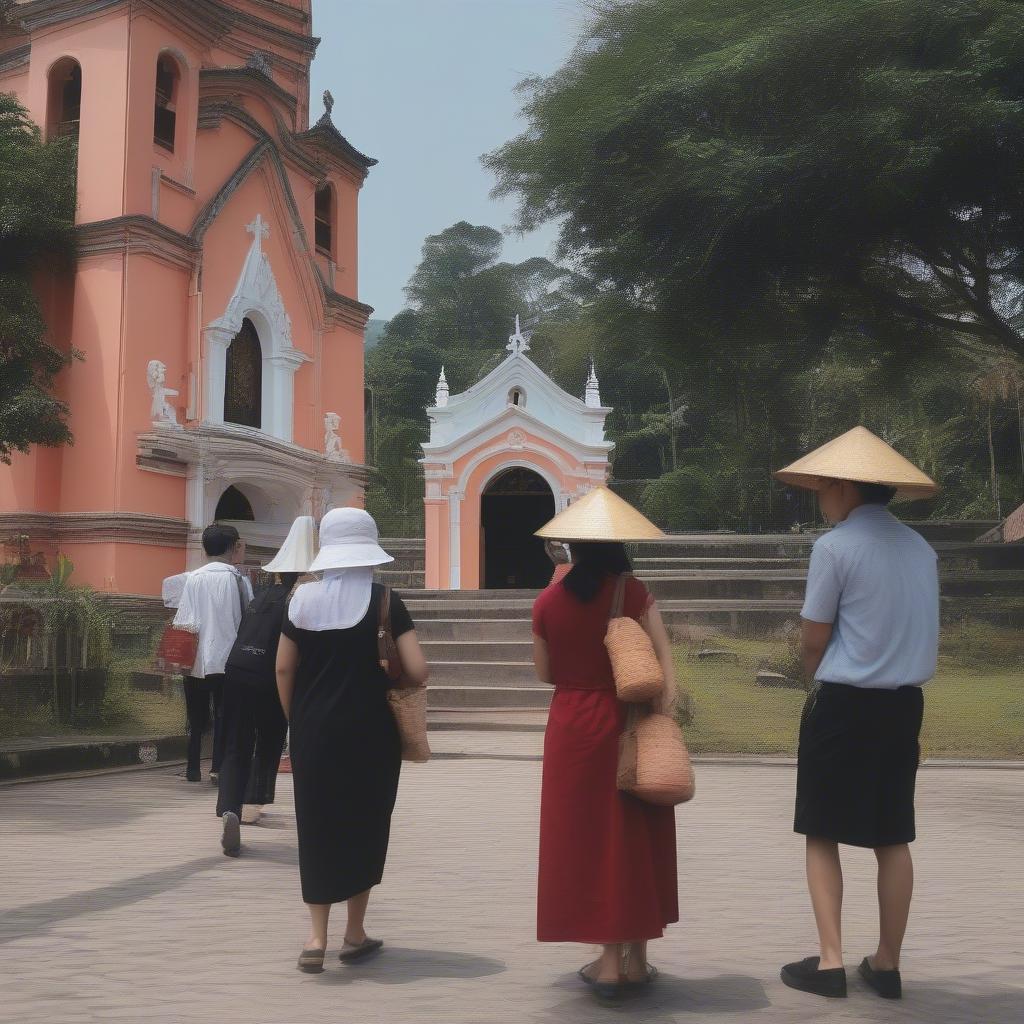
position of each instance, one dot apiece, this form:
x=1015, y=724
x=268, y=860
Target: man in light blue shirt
x=870, y=641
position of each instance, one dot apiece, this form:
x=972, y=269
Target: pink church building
x=215, y=298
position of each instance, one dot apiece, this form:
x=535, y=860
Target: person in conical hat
x=253, y=722
x=869, y=642
x=607, y=867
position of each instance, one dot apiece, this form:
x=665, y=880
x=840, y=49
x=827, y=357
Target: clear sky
x=426, y=87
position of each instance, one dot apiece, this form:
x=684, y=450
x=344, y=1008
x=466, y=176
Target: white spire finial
x=593, y=396
x=441, y=397
x=518, y=343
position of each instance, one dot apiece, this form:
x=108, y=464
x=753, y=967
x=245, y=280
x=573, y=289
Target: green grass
x=974, y=707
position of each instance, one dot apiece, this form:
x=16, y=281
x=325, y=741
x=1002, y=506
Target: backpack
x=253, y=655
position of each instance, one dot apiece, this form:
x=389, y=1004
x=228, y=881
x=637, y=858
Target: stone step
x=648, y=566
x=471, y=698
x=510, y=674
x=503, y=651
x=409, y=579
x=474, y=630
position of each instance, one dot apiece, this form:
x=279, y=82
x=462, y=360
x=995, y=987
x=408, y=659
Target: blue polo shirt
x=877, y=581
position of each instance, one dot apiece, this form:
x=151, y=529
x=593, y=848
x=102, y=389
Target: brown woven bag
x=637, y=671
x=654, y=764
x=408, y=703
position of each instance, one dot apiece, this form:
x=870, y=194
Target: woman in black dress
x=344, y=746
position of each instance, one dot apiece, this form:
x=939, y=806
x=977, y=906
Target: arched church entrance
x=513, y=506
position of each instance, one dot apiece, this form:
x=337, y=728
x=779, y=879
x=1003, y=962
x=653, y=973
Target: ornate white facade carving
x=258, y=299
x=332, y=442
x=162, y=413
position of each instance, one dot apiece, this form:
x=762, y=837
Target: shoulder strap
x=243, y=602
x=618, y=598
x=383, y=621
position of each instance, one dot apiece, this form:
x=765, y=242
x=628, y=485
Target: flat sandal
x=311, y=961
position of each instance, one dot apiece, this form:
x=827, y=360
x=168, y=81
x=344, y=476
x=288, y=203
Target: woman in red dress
x=607, y=860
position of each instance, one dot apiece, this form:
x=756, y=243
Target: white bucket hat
x=348, y=539
x=298, y=550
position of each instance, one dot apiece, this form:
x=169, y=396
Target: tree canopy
x=742, y=164
x=37, y=213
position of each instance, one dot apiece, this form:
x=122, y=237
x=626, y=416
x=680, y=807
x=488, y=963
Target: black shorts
x=857, y=764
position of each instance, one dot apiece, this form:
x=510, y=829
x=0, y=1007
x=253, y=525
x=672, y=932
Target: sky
x=426, y=87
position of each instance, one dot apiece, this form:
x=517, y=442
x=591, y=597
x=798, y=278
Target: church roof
x=327, y=135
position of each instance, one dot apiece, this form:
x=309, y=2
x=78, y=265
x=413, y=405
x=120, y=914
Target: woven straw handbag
x=637, y=671
x=654, y=764
x=408, y=703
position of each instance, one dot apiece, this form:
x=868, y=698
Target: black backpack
x=253, y=656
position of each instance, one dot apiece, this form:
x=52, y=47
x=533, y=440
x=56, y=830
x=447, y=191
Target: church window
x=243, y=378
x=64, y=101
x=165, y=114
x=324, y=220
x=517, y=397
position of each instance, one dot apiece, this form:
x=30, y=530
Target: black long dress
x=346, y=755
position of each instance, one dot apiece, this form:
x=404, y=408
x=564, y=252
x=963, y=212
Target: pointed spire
x=441, y=398
x=518, y=343
x=593, y=398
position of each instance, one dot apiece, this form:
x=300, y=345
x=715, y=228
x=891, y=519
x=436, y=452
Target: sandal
x=605, y=990
x=356, y=951
x=311, y=961
x=652, y=973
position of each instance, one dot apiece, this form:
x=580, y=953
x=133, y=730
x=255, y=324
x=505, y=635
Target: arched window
x=243, y=378
x=64, y=98
x=235, y=505
x=517, y=396
x=324, y=220
x=168, y=81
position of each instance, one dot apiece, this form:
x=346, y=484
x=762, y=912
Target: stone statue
x=332, y=442
x=160, y=410
x=328, y=101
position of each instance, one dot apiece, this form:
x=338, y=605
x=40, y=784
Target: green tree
x=37, y=212
x=771, y=164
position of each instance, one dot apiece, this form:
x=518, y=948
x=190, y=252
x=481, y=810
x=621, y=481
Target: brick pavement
x=116, y=905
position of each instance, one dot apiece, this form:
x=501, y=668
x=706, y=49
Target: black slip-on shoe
x=888, y=984
x=231, y=837
x=805, y=976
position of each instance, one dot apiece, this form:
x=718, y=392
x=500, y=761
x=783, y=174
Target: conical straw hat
x=298, y=550
x=860, y=456
x=600, y=515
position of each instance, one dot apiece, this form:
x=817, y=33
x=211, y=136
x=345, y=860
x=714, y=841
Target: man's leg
x=217, y=696
x=825, y=883
x=895, y=889
x=238, y=735
x=197, y=711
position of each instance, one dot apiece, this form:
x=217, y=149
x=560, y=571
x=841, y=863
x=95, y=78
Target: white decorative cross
x=259, y=228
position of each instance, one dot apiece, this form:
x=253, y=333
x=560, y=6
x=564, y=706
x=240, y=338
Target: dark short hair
x=219, y=539
x=875, y=494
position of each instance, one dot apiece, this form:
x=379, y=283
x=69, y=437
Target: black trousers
x=254, y=733
x=199, y=694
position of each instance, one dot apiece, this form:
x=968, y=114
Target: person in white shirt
x=211, y=605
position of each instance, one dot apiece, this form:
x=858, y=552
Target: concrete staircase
x=479, y=643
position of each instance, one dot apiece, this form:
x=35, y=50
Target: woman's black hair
x=593, y=561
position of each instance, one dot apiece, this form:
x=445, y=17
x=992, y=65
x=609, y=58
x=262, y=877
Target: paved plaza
x=117, y=905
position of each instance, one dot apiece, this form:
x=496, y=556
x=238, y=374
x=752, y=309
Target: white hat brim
x=350, y=556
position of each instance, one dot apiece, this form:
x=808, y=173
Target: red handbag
x=176, y=652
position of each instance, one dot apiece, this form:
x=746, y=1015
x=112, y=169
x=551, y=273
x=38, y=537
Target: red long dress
x=607, y=860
